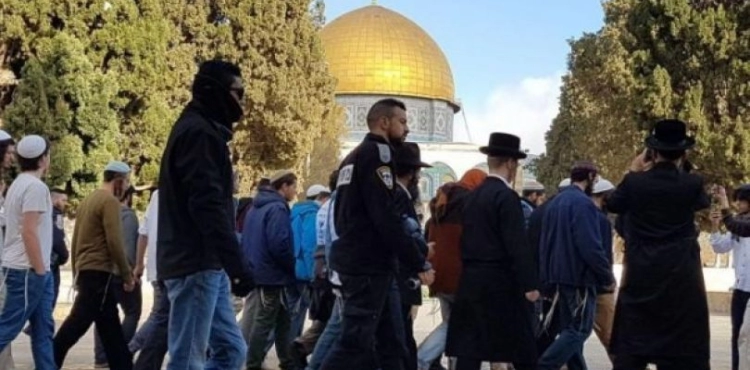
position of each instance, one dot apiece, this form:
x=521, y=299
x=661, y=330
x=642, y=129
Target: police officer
x=371, y=244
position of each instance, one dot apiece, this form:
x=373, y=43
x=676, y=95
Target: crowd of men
x=522, y=281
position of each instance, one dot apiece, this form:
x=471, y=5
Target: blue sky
x=507, y=56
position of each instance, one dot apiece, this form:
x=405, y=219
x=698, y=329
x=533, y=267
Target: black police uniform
x=371, y=244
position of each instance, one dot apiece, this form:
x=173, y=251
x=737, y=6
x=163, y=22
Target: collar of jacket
x=532, y=205
x=223, y=130
x=373, y=137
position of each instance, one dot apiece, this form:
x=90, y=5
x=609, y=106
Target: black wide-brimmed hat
x=408, y=155
x=504, y=145
x=670, y=134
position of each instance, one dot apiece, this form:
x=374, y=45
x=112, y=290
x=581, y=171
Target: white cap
x=564, y=184
x=531, y=185
x=117, y=166
x=316, y=190
x=31, y=147
x=603, y=186
x=4, y=135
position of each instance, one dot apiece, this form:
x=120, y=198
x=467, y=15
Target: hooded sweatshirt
x=267, y=240
x=304, y=215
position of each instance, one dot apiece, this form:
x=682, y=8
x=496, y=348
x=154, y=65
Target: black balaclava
x=211, y=90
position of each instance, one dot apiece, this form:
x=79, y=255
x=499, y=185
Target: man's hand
x=721, y=194
x=430, y=250
x=129, y=286
x=640, y=163
x=138, y=271
x=427, y=277
x=532, y=296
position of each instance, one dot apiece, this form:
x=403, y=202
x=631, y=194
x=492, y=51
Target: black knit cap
x=742, y=193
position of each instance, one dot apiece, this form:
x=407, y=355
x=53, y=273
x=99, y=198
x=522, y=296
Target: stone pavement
x=82, y=355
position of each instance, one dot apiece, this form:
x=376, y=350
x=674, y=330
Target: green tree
x=66, y=99
x=656, y=59
x=149, y=51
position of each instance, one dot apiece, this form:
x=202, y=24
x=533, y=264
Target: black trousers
x=411, y=343
x=739, y=304
x=131, y=304
x=94, y=303
x=372, y=328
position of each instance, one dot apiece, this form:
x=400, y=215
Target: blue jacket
x=304, y=217
x=267, y=240
x=571, y=246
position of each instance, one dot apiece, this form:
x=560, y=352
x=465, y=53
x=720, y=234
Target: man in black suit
x=490, y=319
x=661, y=315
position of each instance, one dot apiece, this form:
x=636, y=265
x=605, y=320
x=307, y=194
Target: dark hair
x=287, y=179
x=4, y=145
x=582, y=171
x=528, y=193
x=32, y=164
x=333, y=180
x=58, y=191
x=383, y=108
x=127, y=196
x=263, y=182
x=495, y=161
x=110, y=176
x=671, y=155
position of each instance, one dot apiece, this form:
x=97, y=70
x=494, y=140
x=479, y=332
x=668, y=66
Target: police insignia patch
x=384, y=172
x=385, y=153
x=345, y=175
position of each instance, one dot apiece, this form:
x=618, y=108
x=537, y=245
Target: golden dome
x=374, y=50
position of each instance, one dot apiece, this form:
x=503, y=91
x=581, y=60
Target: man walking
x=573, y=264
x=151, y=339
x=27, y=253
x=60, y=253
x=267, y=242
x=198, y=252
x=371, y=243
x=661, y=315
x=490, y=320
x=605, y=297
x=99, y=262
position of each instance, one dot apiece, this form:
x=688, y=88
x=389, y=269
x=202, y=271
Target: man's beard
x=589, y=188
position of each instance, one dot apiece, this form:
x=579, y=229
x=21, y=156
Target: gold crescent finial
x=374, y=2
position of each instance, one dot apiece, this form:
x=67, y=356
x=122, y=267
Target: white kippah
x=31, y=146
x=4, y=135
x=117, y=166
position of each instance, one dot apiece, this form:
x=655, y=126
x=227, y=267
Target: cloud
x=524, y=108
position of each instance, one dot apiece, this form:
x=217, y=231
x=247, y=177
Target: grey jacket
x=129, y=233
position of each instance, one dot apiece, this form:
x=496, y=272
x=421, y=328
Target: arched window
x=435, y=177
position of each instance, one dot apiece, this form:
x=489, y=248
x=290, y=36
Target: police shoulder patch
x=385, y=152
x=345, y=175
x=385, y=174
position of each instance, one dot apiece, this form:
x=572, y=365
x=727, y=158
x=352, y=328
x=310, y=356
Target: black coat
x=407, y=276
x=490, y=319
x=662, y=310
x=371, y=239
x=196, y=208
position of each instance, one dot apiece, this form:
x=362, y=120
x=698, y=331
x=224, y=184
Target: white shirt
x=26, y=194
x=148, y=229
x=726, y=242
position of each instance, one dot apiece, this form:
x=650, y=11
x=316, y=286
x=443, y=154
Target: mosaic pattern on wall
x=429, y=120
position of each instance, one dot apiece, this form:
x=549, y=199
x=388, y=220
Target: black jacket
x=196, y=209
x=60, y=252
x=371, y=238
